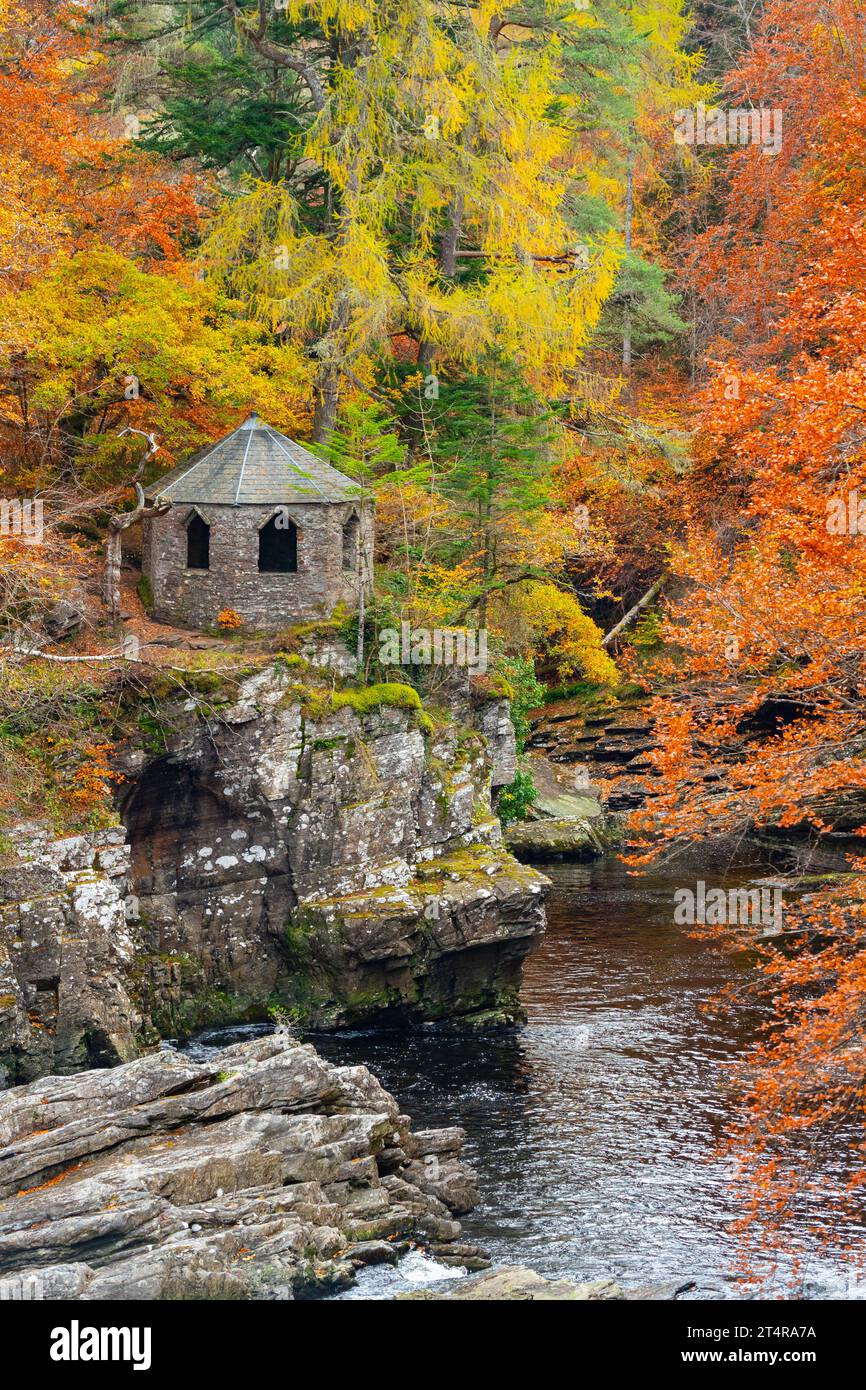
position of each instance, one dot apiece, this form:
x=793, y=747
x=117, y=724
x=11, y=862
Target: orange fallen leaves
x=52, y=1182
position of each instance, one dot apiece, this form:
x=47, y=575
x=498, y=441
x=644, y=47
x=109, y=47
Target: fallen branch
x=34, y=652
x=632, y=613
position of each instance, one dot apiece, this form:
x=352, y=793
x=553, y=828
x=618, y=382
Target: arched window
x=278, y=546
x=351, y=536
x=197, y=543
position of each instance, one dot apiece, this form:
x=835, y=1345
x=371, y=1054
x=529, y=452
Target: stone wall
x=66, y=949
x=264, y=601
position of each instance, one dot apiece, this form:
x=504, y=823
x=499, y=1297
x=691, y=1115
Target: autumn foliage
x=762, y=726
x=459, y=253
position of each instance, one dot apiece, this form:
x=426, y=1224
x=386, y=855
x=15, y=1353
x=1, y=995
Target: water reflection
x=594, y=1130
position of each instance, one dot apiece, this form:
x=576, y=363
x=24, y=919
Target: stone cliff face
x=67, y=945
x=605, y=744
x=339, y=860
x=333, y=856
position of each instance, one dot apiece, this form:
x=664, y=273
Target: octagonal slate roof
x=255, y=464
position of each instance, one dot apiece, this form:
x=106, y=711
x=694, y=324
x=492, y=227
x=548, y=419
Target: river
x=594, y=1130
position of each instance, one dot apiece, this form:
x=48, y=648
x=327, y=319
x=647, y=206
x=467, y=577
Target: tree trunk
x=629, y=218
x=113, y=557
x=327, y=388
x=359, y=651
x=114, y=550
x=327, y=399
x=451, y=239
x=448, y=245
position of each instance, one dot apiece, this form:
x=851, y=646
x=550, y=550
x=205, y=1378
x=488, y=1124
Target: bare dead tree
x=122, y=521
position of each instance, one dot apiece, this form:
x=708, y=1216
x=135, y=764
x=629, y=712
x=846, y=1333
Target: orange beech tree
x=806, y=60
x=763, y=723
x=69, y=173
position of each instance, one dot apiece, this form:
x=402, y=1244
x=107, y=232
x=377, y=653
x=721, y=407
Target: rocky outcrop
x=515, y=1283
x=67, y=945
x=334, y=855
x=327, y=854
x=604, y=744
x=566, y=819
x=567, y=838
x=264, y=1173
x=493, y=719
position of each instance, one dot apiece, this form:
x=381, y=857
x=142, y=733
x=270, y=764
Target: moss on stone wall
x=318, y=702
x=375, y=697
x=144, y=589
x=208, y=1008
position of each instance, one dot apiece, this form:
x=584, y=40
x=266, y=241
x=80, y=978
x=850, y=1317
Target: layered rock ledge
x=264, y=1173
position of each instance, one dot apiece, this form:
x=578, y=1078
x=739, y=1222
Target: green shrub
x=516, y=799
x=527, y=693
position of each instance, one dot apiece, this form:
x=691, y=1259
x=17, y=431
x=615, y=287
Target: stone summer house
x=259, y=525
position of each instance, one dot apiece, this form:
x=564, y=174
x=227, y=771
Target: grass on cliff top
x=54, y=738
x=594, y=695
x=61, y=724
x=288, y=639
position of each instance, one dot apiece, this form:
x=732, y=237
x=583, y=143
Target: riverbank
x=592, y=1135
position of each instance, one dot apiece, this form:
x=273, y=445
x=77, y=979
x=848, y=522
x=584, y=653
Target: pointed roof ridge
x=255, y=465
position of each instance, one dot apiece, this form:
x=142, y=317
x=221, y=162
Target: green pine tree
x=364, y=442
x=493, y=452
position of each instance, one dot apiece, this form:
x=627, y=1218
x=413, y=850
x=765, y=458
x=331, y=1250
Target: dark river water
x=594, y=1130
